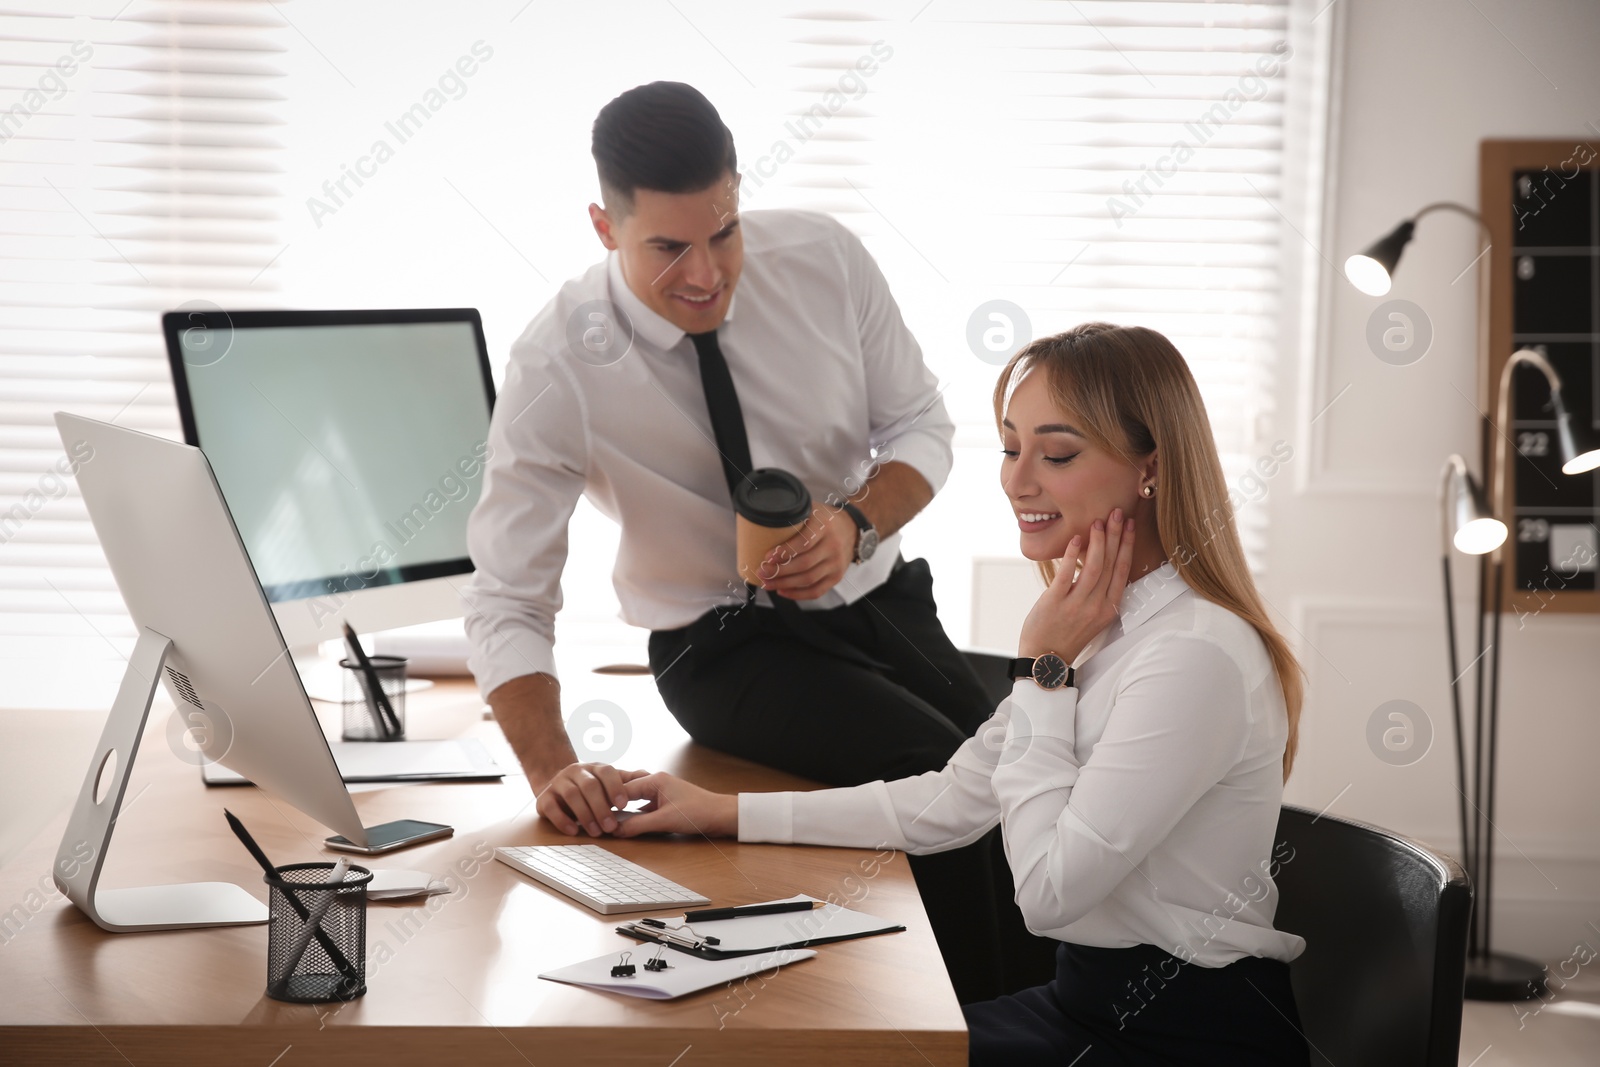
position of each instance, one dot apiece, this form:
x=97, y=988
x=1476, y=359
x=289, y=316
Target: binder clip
x=624, y=969
x=656, y=963
x=706, y=939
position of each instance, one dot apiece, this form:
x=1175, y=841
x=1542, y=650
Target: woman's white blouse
x=1138, y=807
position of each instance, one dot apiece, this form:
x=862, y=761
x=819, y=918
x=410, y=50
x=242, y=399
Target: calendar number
x=1533, y=443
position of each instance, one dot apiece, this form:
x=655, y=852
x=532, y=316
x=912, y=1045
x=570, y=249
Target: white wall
x=1353, y=556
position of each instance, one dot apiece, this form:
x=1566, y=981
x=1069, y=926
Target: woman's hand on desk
x=678, y=807
x=581, y=795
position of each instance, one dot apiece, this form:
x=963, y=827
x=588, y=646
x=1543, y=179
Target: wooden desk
x=451, y=980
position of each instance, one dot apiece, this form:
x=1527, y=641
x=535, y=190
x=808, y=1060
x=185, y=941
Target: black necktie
x=727, y=426
x=727, y=419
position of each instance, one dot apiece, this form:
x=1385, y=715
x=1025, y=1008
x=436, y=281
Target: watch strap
x=863, y=526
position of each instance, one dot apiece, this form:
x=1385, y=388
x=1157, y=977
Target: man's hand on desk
x=581, y=797
x=812, y=561
x=675, y=806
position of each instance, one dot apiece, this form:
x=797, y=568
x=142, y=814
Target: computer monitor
x=350, y=448
x=206, y=631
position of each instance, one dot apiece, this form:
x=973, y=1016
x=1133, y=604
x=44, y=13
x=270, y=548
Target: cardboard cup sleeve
x=771, y=506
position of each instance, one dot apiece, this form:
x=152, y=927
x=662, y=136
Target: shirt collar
x=647, y=323
x=1143, y=598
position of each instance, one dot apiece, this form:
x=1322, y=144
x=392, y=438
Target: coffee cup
x=770, y=506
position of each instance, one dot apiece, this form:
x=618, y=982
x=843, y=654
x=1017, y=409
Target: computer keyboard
x=597, y=878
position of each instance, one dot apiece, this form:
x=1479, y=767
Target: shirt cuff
x=767, y=817
x=1040, y=712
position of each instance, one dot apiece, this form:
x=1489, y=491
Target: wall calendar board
x=1541, y=202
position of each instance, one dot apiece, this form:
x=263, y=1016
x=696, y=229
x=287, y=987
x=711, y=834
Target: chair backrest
x=1385, y=921
x=991, y=670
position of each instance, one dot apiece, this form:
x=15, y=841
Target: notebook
x=684, y=973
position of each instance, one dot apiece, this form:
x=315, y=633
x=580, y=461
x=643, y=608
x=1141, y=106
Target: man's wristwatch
x=866, y=533
x=1050, y=671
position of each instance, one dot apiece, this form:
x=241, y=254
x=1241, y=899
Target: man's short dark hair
x=664, y=136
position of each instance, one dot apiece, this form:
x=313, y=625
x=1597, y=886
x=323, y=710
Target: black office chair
x=992, y=673
x=1385, y=921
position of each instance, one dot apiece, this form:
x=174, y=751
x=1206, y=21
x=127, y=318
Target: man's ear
x=602, y=226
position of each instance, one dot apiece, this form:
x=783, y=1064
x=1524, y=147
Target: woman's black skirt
x=1142, y=1005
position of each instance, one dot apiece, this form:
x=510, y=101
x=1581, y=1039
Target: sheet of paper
x=684, y=973
x=751, y=933
x=390, y=883
x=394, y=761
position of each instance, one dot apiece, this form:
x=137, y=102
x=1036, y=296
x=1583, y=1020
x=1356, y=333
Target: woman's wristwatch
x=1049, y=671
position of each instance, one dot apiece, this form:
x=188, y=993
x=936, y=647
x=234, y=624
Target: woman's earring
x=1149, y=490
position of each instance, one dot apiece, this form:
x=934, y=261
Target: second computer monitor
x=350, y=447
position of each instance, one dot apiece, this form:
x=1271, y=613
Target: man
x=644, y=387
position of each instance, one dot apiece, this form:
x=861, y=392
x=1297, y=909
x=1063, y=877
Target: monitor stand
x=83, y=847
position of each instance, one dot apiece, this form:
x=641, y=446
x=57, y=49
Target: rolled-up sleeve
x=1074, y=832
x=907, y=416
x=517, y=534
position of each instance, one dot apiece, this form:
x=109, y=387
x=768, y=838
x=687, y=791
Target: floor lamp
x=1492, y=976
x=1470, y=525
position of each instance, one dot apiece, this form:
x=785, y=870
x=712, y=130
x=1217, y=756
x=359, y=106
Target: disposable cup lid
x=772, y=497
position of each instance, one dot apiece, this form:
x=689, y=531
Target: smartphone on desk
x=386, y=837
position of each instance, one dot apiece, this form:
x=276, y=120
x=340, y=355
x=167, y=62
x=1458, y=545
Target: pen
x=666, y=935
x=340, y=960
x=709, y=914
x=377, y=699
x=313, y=923
x=656, y=930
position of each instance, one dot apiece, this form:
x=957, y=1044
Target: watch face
x=1050, y=671
x=867, y=545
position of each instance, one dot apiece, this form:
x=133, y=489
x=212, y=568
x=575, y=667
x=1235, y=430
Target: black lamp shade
x=1370, y=270
x=1576, y=457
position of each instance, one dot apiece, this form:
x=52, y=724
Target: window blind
x=1118, y=161
x=140, y=159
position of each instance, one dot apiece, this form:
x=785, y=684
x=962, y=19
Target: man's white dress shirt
x=828, y=378
x=1138, y=807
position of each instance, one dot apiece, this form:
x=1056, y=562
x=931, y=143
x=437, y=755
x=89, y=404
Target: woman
x=1139, y=792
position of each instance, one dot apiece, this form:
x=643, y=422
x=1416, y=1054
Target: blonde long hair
x=1129, y=391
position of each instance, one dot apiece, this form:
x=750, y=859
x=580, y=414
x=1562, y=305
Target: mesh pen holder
x=362, y=719
x=332, y=964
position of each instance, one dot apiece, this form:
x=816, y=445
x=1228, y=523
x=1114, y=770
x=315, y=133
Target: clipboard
x=723, y=939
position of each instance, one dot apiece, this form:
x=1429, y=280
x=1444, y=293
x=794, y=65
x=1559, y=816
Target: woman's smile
x=1035, y=521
